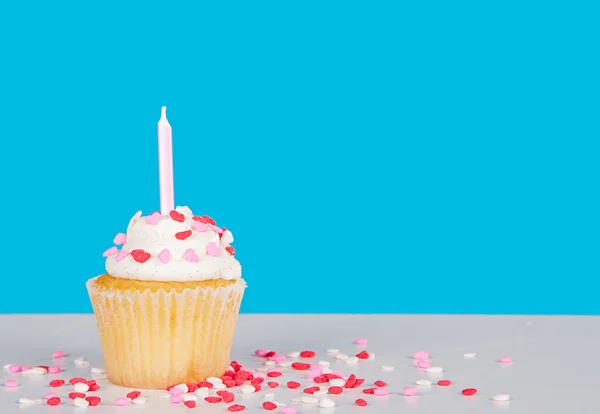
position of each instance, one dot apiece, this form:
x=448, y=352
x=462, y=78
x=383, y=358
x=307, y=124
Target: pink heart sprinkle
x=120, y=238
x=190, y=256
x=361, y=341
x=163, y=256
x=110, y=252
x=420, y=354
x=153, y=218
x=213, y=250
x=54, y=370
x=423, y=364
x=200, y=226
x=409, y=391
x=58, y=354
x=121, y=255
x=261, y=352
x=383, y=391
x=288, y=410
x=215, y=228
x=505, y=360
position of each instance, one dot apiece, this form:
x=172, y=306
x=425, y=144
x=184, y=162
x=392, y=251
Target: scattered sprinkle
x=410, y=391
x=435, y=370
x=470, y=355
x=423, y=382
x=11, y=383
x=326, y=403
x=469, y=391
x=360, y=402
x=505, y=360
x=501, y=397
x=121, y=402
x=420, y=354
x=53, y=401
x=361, y=341
x=444, y=383
x=387, y=368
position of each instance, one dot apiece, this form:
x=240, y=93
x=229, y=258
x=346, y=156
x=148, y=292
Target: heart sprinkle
x=182, y=235
x=190, y=256
x=213, y=250
x=113, y=250
x=230, y=250
x=120, y=238
x=140, y=256
x=177, y=216
x=164, y=256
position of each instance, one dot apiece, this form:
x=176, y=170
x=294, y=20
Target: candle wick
x=163, y=112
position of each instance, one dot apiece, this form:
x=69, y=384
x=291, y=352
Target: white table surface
x=556, y=364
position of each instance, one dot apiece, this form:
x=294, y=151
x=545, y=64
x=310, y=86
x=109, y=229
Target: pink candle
x=165, y=163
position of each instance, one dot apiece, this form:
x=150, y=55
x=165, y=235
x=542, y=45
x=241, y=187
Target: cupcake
x=167, y=306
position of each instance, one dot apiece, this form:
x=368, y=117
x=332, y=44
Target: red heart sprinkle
x=94, y=387
x=226, y=395
x=311, y=390
x=93, y=400
x=335, y=390
x=369, y=391
x=53, y=401
x=256, y=387
x=177, y=216
x=75, y=380
x=221, y=234
x=273, y=384
x=236, y=366
x=229, y=383
x=209, y=220
x=133, y=395
x=350, y=381
x=139, y=256
x=213, y=399
x=57, y=383
x=359, y=382
x=91, y=382
x=270, y=354
x=444, y=383
x=380, y=383
x=204, y=384
x=236, y=407
x=230, y=250
x=192, y=387
x=182, y=235
x=363, y=355
x=190, y=404
x=469, y=391
x=238, y=382
x=274, y=374
x=258, y=380
x=73, y=395
x=300, y=366
x=307, y=354
x=200, y=219
x=360, y=402
x=268, y=405
x=293, y=385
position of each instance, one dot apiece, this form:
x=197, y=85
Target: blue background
x=435, y=157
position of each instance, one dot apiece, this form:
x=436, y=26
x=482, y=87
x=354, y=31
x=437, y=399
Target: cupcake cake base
x=156, y=334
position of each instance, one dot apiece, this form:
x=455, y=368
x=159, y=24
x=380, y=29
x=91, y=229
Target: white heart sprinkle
x=294, y=354
x=341, y=357
x=80, y=402
x=269, y=397
x=214, y=380
x=423, y=382
x=202, y=392
x=98, y=370
x=337, y=382
x=435, y=370
x=139, y=400
x=219, y=386
x=324, y=363
x=501, y=397
x=387, y=368
x=326, y=403
x=320, y=392
x=190, y=397
x=333, y=351
x=27, y=401
x=286, y=364
x=81, y=387
x=327, y=370
x=34, y=371
x=352, y=360
x=248, y=389
x=470, y=355
x=309, y=400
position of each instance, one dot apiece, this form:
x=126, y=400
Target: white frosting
x=154, y=238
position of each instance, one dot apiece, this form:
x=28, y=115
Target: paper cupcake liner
x=155, y=339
